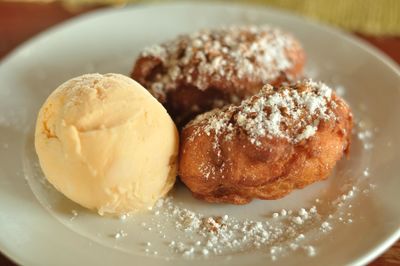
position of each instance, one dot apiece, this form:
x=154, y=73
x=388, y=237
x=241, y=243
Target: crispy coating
x=211, y=68
x=237, y=153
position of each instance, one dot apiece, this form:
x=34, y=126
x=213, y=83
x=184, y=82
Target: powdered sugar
x=119, y=234
x=240, y=52
x=289, y=113
x=365, y=135
x=285, y=230
x=225, y=234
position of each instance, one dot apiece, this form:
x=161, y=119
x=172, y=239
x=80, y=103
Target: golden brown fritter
x=211, y=68
x=273, y=142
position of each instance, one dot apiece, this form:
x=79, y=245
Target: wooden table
x=20, y=21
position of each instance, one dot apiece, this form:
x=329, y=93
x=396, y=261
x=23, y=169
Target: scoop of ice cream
x=107, y=144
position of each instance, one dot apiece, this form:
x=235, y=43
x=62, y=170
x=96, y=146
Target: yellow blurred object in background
x=374, y=17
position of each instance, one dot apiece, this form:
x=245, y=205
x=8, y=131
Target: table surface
x=19, y=21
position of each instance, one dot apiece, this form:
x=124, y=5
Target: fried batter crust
x=237, y=171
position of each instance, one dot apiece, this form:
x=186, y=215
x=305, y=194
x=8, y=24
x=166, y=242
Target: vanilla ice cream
x=107, y=144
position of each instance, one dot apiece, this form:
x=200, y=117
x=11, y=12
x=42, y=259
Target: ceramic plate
x=348, y=219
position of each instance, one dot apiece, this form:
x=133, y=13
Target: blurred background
x=375, y=21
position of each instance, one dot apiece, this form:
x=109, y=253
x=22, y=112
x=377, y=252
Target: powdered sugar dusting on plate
x=277, y=235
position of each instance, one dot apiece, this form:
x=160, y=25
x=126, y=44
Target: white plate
x=39, y=228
